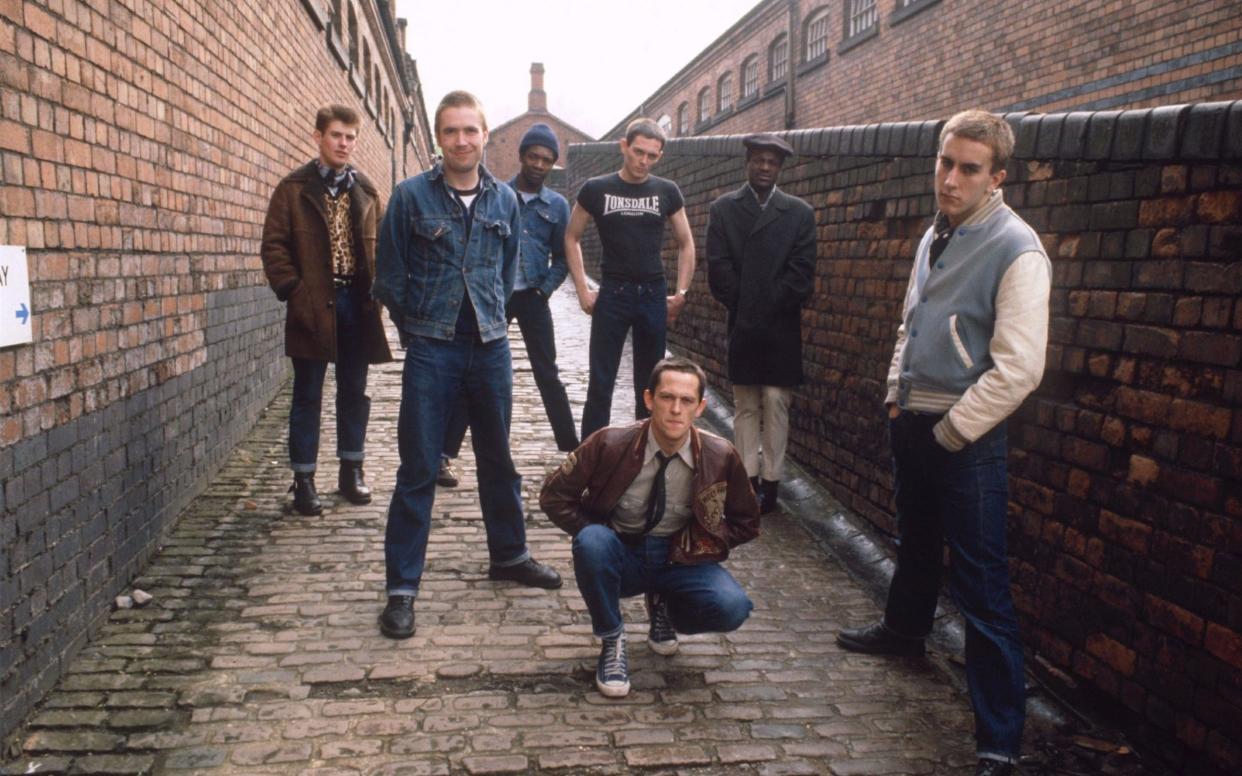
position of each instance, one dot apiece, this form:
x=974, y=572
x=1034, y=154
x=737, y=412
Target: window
x=817, y=36
x=366, y=66
x=861, y=15
x=705, y=104
x=336, y=17
x=750, y=77
x=352, y=32
x=683, y=120
x=666, y=123
x=724, y=92
x=778, y=58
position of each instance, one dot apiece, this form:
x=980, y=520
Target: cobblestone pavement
x=260, y=652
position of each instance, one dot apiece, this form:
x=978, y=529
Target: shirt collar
x=653, y=447
x=763, y=203
x=542, y=194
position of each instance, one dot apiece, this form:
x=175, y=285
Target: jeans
x=960, y=497
x=353, y=406
x=620, y=307
x=435, y=374
x=535, y=321
x=702, y=598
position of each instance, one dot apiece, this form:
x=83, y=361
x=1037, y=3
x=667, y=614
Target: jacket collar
x=992, y=204
x=486, y=179
x=542, y=195
x=638, y=445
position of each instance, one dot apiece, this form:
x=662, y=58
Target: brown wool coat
x=298, y=263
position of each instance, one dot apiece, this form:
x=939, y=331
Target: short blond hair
x=982, y=127
x=460, y=99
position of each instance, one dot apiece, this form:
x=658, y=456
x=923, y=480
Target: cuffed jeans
x=751, y=403
x=960, y=497
x=620, y=308
x=435, y=374
x=530, y=308
x=353, y=406
x=702, y=598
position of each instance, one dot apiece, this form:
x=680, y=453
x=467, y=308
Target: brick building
x=139, y=144
x=502, y=143
x=811, y=63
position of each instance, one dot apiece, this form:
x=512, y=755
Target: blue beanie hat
x=541, y=135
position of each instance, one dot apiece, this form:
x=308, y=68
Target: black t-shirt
x=630, y=218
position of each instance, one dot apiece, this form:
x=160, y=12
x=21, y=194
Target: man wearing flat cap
x=761, y=265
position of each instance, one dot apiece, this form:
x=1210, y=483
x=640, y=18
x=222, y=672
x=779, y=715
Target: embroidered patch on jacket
x=570, y=463
x=713, y=500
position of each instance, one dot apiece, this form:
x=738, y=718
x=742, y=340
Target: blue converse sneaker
x=661, y=637
x=612, y=673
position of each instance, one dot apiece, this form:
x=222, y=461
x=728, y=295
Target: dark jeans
x=703, y=598
x=960, y=497
x=620, y=307
x=435, y=374
x=530, y=308
x=353, y=406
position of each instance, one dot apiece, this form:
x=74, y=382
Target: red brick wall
x=139, y=144
x=502, y=144
x=1126, y=519
x=956, y=54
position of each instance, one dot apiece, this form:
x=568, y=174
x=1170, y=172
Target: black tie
x=655, y=502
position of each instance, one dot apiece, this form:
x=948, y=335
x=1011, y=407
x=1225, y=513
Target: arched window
x=705, y=103
x=666, y=123
x=336, y=17
x=683, y=120
x=861, y=16
x=352, y=32
x=816, y=36
x=750, y=76
x=366, y=65
x=778, y=58
x=724, y=92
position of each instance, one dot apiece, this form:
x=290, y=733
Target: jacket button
x=914, y=333
x=940, y=265
x=923, y=300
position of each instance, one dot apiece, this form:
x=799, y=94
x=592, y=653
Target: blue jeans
x=620, y=307
x=703, y=598
x=960, y=497
x=435, y=374
x=353, y=406
x=535, y=321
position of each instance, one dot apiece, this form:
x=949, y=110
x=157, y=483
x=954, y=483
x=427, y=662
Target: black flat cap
x=768, y=141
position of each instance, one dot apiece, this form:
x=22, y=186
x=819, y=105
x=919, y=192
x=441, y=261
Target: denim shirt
x=543, y=264
x=424, y=267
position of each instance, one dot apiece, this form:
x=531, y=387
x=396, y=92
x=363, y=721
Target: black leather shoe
x=988, y=767
x=351, y=484
x=397, y=619
x=305, y=499
x=767, y=496
x=879, y=640
x=529, y=572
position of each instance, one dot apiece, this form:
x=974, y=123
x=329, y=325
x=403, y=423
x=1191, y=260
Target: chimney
x=401, y=25
x=538, y=102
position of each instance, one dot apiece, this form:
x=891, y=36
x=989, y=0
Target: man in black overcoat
x=761, y=266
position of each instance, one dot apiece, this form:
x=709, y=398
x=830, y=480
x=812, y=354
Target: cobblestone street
x=260, y=652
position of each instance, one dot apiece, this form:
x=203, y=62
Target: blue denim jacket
x=423, y=266
x=542, y=262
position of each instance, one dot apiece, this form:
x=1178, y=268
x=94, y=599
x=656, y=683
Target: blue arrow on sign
x=23, y=314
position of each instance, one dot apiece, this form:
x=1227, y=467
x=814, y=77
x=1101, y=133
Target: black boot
x=767, y=496
x=351, y=484
x=305, y=499
x=754, y=485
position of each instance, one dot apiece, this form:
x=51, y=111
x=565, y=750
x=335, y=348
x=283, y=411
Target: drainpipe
x=791, y=74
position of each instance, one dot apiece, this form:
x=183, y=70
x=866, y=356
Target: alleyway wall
x=1126, y=518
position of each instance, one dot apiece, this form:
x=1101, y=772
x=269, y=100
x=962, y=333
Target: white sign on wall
x=15, y=313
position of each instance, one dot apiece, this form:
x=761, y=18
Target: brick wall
x=936, y=57
x=1126, y=520
x=139, y=144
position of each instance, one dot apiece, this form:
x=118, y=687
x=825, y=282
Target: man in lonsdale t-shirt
x=630, y=208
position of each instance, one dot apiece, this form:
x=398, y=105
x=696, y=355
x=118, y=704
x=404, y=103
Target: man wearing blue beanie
x=541, y=269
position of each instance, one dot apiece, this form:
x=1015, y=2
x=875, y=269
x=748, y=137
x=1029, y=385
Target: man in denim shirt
x=447, y=258
x=541, y=270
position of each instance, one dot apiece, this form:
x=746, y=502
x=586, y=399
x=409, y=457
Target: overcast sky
x=600, y=58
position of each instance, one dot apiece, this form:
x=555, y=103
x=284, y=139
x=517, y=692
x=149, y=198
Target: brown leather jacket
x=587, y=486
x=298, y=263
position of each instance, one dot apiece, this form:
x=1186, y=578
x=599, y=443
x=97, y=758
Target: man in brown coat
x=319, y=257
x=653, y=508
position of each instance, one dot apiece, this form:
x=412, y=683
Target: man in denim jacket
x=445, y=268
x=541, y=270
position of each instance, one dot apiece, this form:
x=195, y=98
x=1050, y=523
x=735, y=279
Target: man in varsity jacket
x=969, y=349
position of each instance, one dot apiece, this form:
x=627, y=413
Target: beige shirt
x=630, y=514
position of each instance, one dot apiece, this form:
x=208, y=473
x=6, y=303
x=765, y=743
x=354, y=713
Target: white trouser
x=751, y=403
